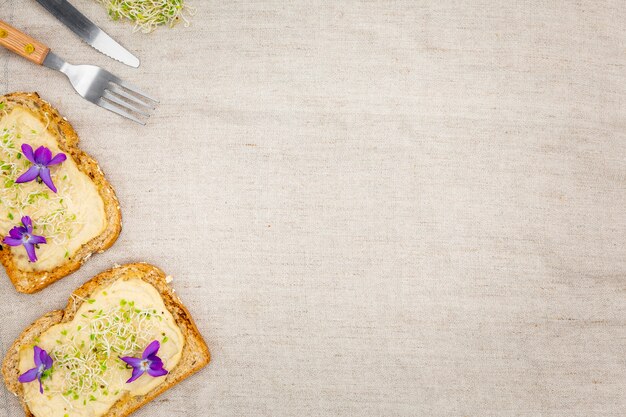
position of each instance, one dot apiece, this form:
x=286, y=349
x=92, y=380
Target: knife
x=88, y=31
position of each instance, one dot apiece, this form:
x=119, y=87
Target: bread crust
x=67, y=139
x=195, y=353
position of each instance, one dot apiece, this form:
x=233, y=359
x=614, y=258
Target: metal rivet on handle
x=3, y=33
x=29, y=48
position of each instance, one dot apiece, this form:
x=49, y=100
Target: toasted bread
x=29, y=280
x=195, y=353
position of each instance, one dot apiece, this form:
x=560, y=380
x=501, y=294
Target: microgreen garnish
x=89, y=351
x=43, y=364
x=149, y=363
x=147, y=15
x=23, y=235
x=42, y=161
x=54, y=218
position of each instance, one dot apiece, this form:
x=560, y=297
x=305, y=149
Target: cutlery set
x=91, y=82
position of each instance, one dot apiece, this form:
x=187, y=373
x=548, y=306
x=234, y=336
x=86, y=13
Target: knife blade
x=88, y=31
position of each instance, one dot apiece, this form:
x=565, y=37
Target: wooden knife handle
x=22, y=44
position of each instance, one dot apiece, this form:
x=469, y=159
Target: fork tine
x=132, y=88
x=114, y=88
x=127, y=106
x=106, y=105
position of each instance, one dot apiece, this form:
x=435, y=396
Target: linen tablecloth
x=371, y=208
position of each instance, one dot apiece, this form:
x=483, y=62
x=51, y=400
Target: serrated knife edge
x=108, y=46
x=88, y=31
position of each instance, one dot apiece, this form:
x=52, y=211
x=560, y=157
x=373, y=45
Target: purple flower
x=42, y=161
x=23, y=235
x=43, y=362
x=149, y=362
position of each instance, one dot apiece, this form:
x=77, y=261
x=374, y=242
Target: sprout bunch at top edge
x=147, y=15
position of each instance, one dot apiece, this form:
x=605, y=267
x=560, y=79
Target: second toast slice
x=116, y=314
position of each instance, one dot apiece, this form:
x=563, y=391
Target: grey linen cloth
x=371, y=208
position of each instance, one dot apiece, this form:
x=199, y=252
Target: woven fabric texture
x=371, y=208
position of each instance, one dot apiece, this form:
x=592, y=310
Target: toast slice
x=82, y=218
x=195, y=353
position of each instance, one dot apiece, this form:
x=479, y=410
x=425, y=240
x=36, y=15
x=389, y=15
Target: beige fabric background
x=372, y=208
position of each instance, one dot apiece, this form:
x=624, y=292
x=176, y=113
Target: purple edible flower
x=43, y=362
x=149, y=362
x=42, y=161
x=23, y=235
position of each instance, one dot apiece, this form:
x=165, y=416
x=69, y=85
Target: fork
x=92, y=83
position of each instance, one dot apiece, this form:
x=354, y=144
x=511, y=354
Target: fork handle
x=22, y=44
